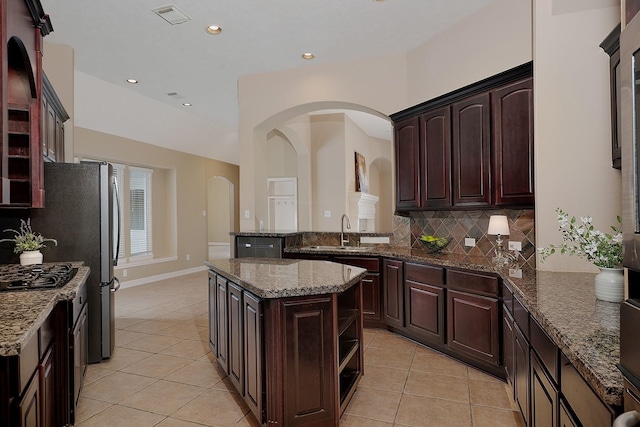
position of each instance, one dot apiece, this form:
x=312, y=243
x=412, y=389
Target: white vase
x=610, y=284
x=30, y=257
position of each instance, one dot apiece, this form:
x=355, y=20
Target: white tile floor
x=162, y=374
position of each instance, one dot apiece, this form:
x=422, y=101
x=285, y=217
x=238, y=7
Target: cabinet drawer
x=371, y=264
x=546, y=349
x=473, y=282
x=586, y=405
x=521, y=316
x=424, y=273
x=507, y=297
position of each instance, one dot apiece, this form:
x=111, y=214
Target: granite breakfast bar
x=288, y=333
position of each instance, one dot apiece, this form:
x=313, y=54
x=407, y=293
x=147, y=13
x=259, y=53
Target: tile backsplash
x=457, y=225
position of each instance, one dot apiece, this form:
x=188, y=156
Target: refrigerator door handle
x=117, y=284
x=117, y=196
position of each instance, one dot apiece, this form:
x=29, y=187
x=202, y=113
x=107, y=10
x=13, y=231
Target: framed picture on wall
x=362, y=182
x=631, y=8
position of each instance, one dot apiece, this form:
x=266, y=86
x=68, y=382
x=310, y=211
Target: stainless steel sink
x=337, y=248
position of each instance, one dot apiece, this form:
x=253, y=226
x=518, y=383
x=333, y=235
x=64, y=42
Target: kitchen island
x=289, y=335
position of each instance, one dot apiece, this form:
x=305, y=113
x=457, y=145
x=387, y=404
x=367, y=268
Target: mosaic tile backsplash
x=456, y=225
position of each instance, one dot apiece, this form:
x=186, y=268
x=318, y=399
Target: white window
x=140, y=211
x=134, y=184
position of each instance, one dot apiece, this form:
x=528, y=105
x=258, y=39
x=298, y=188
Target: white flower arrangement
x=581, y=239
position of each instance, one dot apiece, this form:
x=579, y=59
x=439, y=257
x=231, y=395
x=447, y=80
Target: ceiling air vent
x=175, y=95
x=171, y=14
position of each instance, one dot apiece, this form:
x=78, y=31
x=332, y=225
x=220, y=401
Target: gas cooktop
x=15, y=277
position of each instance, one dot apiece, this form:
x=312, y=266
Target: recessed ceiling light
x=187, y=104
x=213, y=29
x=132, y=81
x=308, y=55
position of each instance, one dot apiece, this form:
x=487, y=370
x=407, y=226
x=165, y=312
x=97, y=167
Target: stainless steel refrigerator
x=80, y=212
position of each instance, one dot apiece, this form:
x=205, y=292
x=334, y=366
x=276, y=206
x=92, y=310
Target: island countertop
x=22, y=312
x=280, y=278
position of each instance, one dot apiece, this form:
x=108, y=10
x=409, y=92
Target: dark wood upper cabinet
x=471, y=148
x=512, y=114
x=611, y=45
x=435, y=156
x=407, y=163
x=23, y=25
x=472, y=151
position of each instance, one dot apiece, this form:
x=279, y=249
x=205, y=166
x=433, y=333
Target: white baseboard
x=164, y=276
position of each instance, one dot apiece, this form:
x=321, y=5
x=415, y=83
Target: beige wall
x=572, y=124
x=219, y=212
x=488, y=42
x=190, y=174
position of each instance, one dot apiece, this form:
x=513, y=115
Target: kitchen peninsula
x=42, y=362
x=289, y=335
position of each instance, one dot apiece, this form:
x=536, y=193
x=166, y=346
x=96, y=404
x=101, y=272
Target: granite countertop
x=586, y=330
x=279, y=278
x=22, y=312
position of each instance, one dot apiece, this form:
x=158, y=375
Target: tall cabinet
x=23, y=24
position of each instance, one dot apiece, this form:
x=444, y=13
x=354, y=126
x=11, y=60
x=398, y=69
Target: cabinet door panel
x=235, y=336
x=29, y=408
x=507, y=347
x=472, y=325
x=471, y=151
x=308, y=356
x=512, y=113
x=544, y=397
x=521, y=371
x=393, y=293
x=213, y=316
x=435, y=155
x=371, y=306
x=425, y=311
x=222, y=324
x=253, y=354
x=407, y=164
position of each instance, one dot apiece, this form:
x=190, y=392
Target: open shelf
x=347, y=352
x=346, y=317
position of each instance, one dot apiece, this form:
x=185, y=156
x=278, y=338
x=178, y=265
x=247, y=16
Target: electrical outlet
x=469, y=242
x=188, y=257
x=515, y=246
x=124, y=273
x=247, y=214
x=515, y=272
x=327, y=214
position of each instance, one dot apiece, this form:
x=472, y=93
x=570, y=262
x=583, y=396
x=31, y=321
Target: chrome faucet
x=342, y=239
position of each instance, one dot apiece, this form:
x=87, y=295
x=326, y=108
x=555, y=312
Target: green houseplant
x=28, y=243
x=604, y=250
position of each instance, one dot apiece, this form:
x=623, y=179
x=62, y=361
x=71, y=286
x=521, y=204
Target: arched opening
x=220, y=216
x=316, y=143
x=21, y=83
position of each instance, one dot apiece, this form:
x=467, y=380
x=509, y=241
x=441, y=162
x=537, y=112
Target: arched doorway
x=220, y=217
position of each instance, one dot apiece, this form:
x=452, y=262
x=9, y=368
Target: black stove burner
x=16, y=277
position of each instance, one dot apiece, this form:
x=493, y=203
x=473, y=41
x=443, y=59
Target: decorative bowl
x=434, y=244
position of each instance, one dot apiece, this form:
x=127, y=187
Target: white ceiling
x=114, y=40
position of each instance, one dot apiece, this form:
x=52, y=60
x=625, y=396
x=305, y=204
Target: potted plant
x=604, y=250
x=28, y=243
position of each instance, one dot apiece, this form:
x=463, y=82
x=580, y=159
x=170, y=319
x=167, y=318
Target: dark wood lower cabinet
x=213, y=318
x=29, y=408
x=473, y=325
x=507, y=346
x=544, y=396
x=307, y=355
x=521, y=372
x=222, y=323
x=235, y=336
x=425, y=311
x=567, y=419
x=372, y=301
x=253, y=354
x=393, y=293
